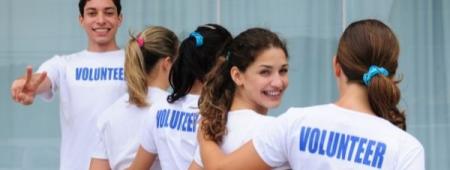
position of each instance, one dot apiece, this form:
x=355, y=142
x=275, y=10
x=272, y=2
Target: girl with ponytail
x=171, y=130
x=370, y=60
x=237, y=95
x=148, y=59
x=363, y=129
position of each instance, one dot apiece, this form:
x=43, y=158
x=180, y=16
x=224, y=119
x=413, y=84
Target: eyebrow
x=269, y=66
x=91, y=9
x=265, y=66
x=94, y=9
x=110, y=8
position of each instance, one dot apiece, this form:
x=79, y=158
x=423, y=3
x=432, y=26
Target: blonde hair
x=156, y=43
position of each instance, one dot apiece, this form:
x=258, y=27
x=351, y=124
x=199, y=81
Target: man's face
x=101, y=21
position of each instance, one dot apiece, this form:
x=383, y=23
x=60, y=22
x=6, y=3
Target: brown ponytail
x=384, y=95
x=215, y=101
x=370, y=42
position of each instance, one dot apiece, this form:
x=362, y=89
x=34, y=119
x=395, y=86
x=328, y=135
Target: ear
x=80, y=19
x=336, y=67
x=120, y=19
x=166, y=63
x=236, y=76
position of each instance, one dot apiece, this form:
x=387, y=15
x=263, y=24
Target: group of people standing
x=116, y=112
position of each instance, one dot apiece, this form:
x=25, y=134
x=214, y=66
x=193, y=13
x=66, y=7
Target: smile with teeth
x=272, y=93
x=101, y=30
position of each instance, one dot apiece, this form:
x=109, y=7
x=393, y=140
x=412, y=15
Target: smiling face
x=262, y=84
x=101, y=21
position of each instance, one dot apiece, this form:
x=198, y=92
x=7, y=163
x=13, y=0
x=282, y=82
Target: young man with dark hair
x=88, y=81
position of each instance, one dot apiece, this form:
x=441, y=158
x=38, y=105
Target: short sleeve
x=413, y=158
x=99, y=151
x=54, y=67
x=272, y=145
x=148, y=141
x=197, y=157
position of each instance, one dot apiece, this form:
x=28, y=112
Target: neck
x=157, y=78
x=95, y=47
x=196, y=88
x=158, y=83
x=354, y=96
x=240, y=102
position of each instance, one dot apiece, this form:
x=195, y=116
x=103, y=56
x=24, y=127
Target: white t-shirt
x=331, y=137
x=88, y=83
x=119, y=128
x=171, y=132
x=242, y=125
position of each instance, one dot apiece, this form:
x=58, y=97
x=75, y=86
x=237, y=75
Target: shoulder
x=247, y=115
x=298, y=116
x=411, y=154
x=408, y=141
x=156, y=95
x=403, y=139
x=73, y=55
x=65, y=57
x=187, y=103
x=302, y=112
x=111, y=112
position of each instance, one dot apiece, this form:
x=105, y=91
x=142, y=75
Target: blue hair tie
x=198, y=39
x=373, y=71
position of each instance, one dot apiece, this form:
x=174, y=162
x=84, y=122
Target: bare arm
x=23, y=90
x=99, y=164
x=143, y=160
x=245, y=157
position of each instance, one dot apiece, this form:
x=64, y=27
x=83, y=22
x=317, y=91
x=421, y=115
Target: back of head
x=141, y=56
x=218, y=91
x=369, y=43
x=197, y=55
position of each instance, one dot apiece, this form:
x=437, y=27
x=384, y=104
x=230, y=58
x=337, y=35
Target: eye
x=91, y=13
x=284, y=71
x=265, y=73
x=109, y=13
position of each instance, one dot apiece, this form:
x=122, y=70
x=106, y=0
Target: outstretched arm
x=23, y=90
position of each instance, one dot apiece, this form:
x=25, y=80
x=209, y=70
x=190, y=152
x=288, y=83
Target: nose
x=101, y=19
x=279, y=81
